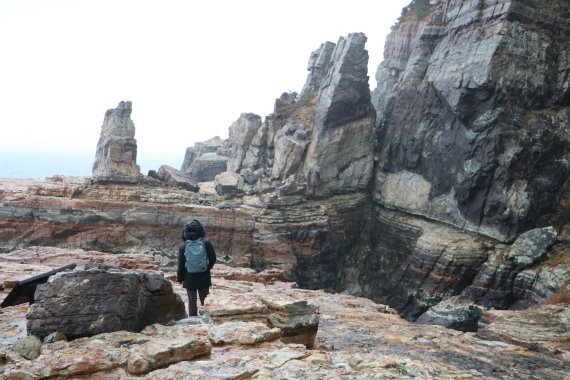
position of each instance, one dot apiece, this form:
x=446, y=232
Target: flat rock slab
x=544, y=329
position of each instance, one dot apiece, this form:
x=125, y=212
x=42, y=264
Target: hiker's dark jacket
x=195, y=280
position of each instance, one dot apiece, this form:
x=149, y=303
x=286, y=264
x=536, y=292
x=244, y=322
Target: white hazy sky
x=189, y=67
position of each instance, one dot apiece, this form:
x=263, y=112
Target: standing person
x=201, y=281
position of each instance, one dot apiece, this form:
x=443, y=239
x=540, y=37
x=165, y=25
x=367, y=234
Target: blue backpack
x=196, y=256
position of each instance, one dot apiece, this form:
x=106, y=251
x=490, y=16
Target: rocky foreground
x=232, y=340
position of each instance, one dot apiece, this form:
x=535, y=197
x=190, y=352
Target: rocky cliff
x=442, y=195
x=473, y=107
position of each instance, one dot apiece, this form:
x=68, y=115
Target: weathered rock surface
x=98, y=300
x=501, y=280
x=321, y=140
x=116, y=157
x=245, y=137
x=28, y=347
x=456, y=313
x=543, y=329
x=335, y=243
x=356, y=339
x=174, y=177
x=205, y=160
x=469, y=148
x=473, y=115
x=229, y=184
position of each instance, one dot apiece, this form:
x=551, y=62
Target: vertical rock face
x=340, y=156
x=116, y=157
x=474, y=115
x=246, y=136
x=320, y=140
x=205, y=160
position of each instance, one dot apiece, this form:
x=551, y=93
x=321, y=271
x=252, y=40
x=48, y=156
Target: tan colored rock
x=229, y=184
x=242, y=333
x=543, y=329
x=116, y=157
x=356, y=339
x=28, y=347
x=404, y=190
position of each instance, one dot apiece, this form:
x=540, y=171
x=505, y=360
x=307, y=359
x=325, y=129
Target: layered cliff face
x=316, y=143
x=473, y=105
x=116, y=156
x=425, y=208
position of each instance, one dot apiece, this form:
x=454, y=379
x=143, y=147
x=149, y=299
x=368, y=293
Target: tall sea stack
x=116, y=157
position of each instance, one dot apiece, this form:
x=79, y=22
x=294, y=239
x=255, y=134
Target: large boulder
x=206, y=159
x=531, y=246
x=175, y=177
x=116, y=156
x=102, y=299
x=229, y=184
x=456, y=313
x=207, y=166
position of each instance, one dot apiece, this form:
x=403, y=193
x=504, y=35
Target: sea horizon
x=26, y=164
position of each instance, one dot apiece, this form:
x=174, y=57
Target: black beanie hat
x=193, y=230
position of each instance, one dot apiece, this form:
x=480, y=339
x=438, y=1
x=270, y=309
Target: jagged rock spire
x=115, y=160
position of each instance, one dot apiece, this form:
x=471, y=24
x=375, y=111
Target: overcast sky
x=189, y=67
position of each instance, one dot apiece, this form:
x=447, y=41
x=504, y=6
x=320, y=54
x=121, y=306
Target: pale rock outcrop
x=116, y=156
x=174, y=177
x=318, y=66
x=289, y=151
x=245, y=135
x=229, y=184
x=322, y=139
x=205, y=160
x=102, y=299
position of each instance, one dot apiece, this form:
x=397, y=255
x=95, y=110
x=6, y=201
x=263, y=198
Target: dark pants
x=193, y=299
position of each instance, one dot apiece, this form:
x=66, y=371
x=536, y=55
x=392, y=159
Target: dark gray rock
x=207, y=166
x=471, y=101
x=455, y=313
x=89, y=302
x=531, y=247
x=205, y=160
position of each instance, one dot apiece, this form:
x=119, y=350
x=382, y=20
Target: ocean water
x=48, y=164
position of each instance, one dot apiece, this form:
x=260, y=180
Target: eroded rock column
x=116, y=157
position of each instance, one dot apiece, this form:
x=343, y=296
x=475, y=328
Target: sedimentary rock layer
x=474, y=108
